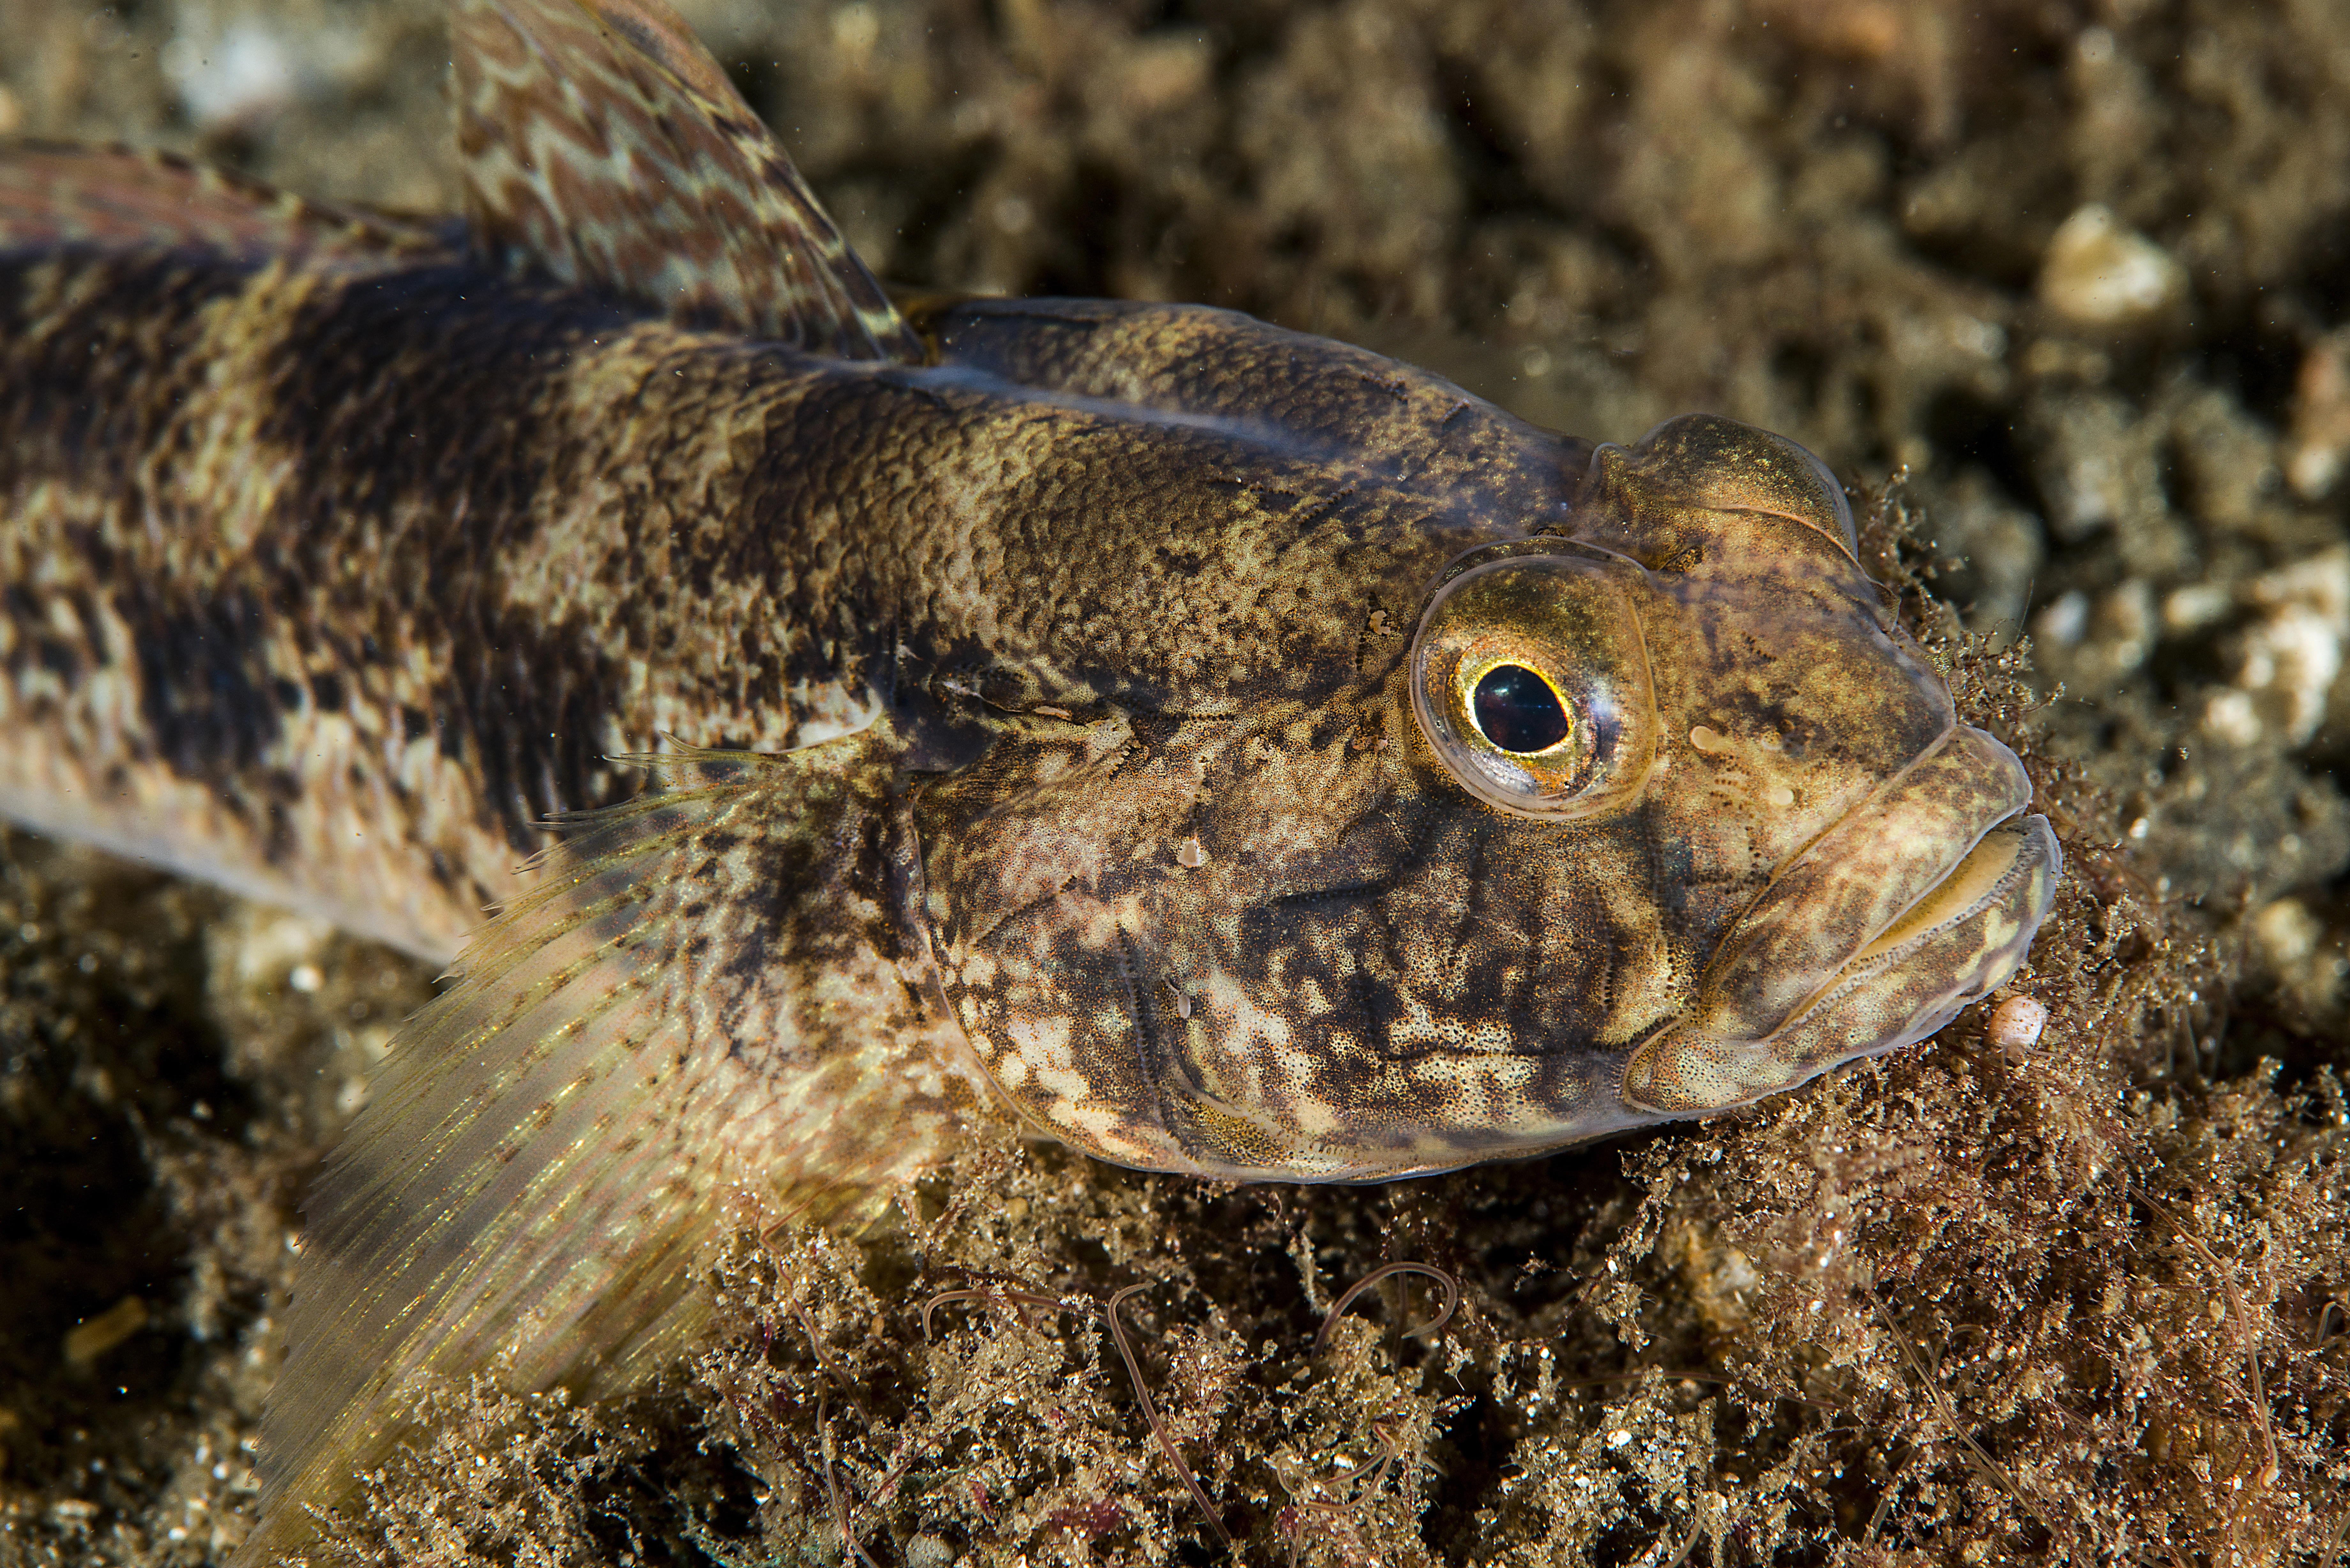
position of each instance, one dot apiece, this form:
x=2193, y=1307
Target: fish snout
x=1918, y=902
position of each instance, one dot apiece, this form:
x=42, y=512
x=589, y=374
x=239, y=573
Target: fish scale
x=1225, y=750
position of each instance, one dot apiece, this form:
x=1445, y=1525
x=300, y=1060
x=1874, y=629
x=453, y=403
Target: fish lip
x=1872, y=938
x=1972, y=927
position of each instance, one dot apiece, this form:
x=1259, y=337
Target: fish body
x=1234, y=751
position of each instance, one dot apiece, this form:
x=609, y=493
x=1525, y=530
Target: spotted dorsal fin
x=697, y=1020
x=601, y=144
x=116, y=198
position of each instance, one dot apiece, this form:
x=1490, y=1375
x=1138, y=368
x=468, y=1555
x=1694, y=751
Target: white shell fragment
x=2287, y=660
x=2321, y=419
x=2016, y=1024
x=2098, y=273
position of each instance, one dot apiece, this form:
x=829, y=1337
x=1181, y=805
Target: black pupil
x=1518, y=709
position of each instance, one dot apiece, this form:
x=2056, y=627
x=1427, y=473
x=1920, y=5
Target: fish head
x=1706, y=691
x=1658, y=811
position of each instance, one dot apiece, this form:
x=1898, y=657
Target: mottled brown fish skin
x=1129, y=584
x=331, y=580
x=1282, y=941
x=295, y=573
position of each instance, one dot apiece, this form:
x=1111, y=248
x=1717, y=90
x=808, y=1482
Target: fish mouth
x=1872, y=938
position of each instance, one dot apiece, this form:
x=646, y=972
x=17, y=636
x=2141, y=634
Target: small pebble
x=2098, y=273
x=2016, y=1024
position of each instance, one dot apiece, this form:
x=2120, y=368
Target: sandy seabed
x=2075, y=272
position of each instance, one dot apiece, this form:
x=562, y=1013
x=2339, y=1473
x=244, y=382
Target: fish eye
x=1531, y=682
x=1519, y=711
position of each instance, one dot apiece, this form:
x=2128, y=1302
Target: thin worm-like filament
x=1450, y=1285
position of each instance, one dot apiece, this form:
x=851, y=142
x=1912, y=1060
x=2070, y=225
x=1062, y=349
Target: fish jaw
x=1874, y=938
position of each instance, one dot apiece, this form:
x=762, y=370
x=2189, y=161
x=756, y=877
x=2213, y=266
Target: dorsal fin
x=118, y=199
x=601, y=144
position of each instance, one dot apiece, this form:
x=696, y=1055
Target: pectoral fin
x=700, y=1021
x=603, y=145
